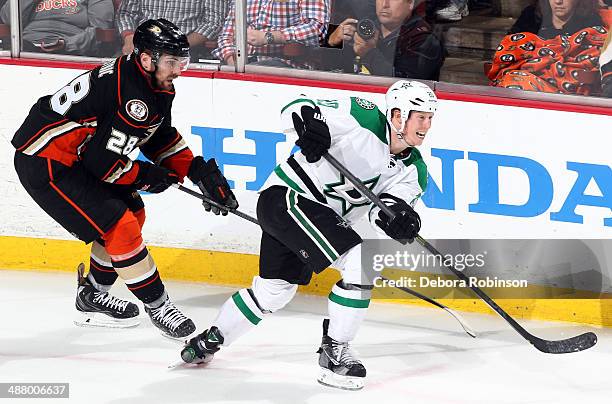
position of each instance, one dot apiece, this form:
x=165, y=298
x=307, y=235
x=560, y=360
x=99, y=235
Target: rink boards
x=497, y=170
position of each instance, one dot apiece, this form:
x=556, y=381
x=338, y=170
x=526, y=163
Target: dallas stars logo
x=346, y=193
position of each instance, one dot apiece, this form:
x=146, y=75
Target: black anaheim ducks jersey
x=102, y=116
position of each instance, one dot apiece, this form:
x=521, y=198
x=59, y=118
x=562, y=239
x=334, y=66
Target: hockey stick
x=251, y=219
x=450, y=311
x=573, y=344
x=218, y=205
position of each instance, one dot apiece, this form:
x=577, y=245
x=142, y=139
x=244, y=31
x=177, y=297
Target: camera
x=366, y=28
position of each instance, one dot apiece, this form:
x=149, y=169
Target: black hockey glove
x=153, y=178
x=207, y=176
x=406, y=223
x=313, y=132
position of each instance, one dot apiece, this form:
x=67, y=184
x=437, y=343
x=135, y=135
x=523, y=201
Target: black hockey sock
x=148, y=286
x=148, y=290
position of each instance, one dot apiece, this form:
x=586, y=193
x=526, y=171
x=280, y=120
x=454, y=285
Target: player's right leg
x=246, y=308
x=65, y=194
x=90, y=210
x=242, y=312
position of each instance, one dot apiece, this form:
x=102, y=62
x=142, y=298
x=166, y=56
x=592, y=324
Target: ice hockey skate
x=202, y=348
x=101, y=309
x=171, y=321
x=340, y=367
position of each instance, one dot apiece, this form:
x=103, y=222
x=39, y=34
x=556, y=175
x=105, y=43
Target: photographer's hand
x=344, y=32
x=361, y=47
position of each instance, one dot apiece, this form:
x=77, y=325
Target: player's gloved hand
x=313, y=132
x=406, y=223
x=153, y=178
x=207, y=176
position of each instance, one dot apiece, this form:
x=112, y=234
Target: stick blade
x=574, y=344
x=466, y=327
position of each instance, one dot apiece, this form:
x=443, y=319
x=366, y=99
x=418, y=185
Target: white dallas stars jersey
x=360, y=141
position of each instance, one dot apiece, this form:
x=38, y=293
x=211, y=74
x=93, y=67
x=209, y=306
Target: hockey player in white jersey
x=306, y=209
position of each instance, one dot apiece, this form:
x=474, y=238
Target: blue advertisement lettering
x=434, y=197
x=264, y=159
x=442, y=194
x=540, y=185
x=602, y=176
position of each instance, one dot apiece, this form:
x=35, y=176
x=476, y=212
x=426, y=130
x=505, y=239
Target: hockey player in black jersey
x=72, y=158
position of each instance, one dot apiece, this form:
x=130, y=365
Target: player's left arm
x=168, y=149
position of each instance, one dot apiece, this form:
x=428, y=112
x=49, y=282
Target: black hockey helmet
x=160, y=36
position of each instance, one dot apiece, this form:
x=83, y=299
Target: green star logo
x=348, y=196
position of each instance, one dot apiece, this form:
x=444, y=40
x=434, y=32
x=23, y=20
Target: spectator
x=554, y=47
x=343, y=9
x=270, y=25
x=200, y=20
x=606, y=68
x=345, y=12
x=402, y=44
x=551, y=18
x=67, y=27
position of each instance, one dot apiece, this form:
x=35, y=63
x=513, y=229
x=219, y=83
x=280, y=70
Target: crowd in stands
x=556, y=46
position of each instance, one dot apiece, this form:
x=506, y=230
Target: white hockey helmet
x=409, y=96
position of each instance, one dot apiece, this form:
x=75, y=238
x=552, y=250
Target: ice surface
x=412, y=354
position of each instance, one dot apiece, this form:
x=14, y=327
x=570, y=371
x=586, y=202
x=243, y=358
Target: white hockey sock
x=238, y=315
x=347, y=309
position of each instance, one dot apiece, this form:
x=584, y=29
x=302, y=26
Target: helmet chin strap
x=400, y=136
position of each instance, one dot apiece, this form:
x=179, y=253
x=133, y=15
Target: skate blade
x=84, y=319
x=177, y=364
x=331, y=379
x=182, y=364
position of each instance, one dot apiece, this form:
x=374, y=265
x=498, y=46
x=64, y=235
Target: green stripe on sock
x=283, y=176
x=345, y=301
x=245, y=309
